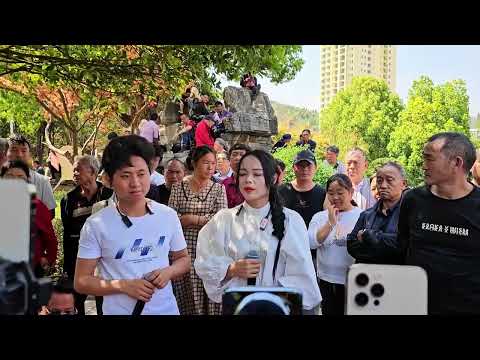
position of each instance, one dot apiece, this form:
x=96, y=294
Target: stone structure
x=251, y=123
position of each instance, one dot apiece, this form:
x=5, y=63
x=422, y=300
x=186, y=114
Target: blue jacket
x=379, y=243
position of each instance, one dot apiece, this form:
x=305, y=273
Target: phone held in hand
x=386, y=290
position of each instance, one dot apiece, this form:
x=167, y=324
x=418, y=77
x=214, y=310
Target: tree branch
x=64, y=103
x=49, y=143
x=94, y=133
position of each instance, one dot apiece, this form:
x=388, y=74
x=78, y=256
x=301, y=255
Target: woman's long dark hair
x=269, y=172
x=344, y=181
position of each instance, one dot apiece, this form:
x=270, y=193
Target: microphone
x=137, y=310
x=252, y=254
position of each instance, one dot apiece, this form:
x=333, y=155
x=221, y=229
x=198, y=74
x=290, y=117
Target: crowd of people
x=173, y=239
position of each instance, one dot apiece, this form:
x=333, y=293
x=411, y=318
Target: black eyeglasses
x=61, y=312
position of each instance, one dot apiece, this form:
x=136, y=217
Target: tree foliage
x=363, y=114
x=430, y=109
x=164, y=68
x=24, y=111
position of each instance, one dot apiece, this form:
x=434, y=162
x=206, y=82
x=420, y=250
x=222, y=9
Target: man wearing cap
x=286, y=138
x=302, y=194
x=203, y=133
x=331, y=159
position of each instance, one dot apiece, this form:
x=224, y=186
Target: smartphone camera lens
x=361, y=279
x=377, y=290
x=361, y=299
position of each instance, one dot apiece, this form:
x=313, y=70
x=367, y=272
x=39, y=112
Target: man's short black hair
x=18, y=139
x=118, y=152
x=457, y=144
x=307, y=130
x=239, y=146
x=37, y=162
x=158, y=151
x=334, y=149
x=218, y=103
x=154, y=116
x=63, y=286
x=163, y=147
x=16, y=164
x=112, y=135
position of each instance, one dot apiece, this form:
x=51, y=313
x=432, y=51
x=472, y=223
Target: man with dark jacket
x=76, y=207
x=374, y=238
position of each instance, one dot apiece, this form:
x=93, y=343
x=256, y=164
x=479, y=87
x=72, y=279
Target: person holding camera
x=328, y=232
x=259, y=242
x=45, y=250
x=137, y=243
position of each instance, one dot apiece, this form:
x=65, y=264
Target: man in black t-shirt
x=439, y=226
x=305, y=140
x=302, y=194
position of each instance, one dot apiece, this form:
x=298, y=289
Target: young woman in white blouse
x=262, y=225
x=327, y=232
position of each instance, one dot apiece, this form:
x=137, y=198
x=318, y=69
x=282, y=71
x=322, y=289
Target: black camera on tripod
x=20, y=291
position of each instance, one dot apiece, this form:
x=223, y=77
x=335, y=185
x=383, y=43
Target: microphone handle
x=138, y=308
x=251, y=281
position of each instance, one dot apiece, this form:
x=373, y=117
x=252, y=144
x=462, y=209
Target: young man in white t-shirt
x=132, y=240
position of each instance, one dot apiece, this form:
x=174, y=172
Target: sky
x=440, y=62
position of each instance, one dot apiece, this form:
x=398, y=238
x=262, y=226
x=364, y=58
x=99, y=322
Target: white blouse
x=228, y=237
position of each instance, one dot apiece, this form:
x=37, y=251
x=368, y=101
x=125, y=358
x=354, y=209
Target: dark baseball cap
x=305, y=155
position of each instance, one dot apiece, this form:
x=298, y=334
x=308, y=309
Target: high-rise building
x=340, y=63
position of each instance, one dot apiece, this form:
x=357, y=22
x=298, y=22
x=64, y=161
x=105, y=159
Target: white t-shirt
x=44, y=189
x=157, y=179
x=130, y=253
x=333, y=259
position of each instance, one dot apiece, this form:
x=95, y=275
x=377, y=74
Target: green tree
x=25, y=112
x=430, y=109
x=363, y=114
x=165, y=68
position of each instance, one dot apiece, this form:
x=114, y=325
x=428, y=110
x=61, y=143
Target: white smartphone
x=386, y=290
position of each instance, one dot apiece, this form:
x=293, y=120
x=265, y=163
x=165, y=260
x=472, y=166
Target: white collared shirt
x=363, y=195
x=228, y=237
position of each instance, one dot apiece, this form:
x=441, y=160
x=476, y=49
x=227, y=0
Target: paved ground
x=90, y=308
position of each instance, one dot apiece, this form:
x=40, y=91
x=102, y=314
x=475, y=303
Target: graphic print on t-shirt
x=140, y=250
x=446, y=229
